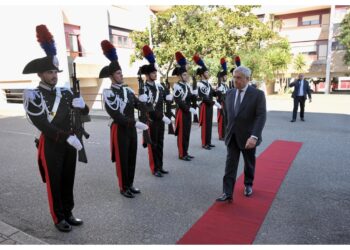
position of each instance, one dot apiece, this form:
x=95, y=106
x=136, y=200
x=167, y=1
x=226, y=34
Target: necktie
x=238, y=103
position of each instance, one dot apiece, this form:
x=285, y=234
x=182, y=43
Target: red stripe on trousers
x=150, y=153
x=41, y=150
x=220, y=123
x=179, y=126
x=203, y=123
x=115, y=145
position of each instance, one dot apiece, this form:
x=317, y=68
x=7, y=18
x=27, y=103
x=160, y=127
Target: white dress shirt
x=301, y=88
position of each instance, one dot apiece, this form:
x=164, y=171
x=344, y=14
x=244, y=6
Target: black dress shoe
x=63, y=226
x=163, y=171
x=224, y=197
x=248, y=191
x=211, y=145
x=127, y=194
x=302, y=119
x=158, y=174
x=185, y=158
x=293, y=120
x=190, y=156
x=134, y=190
x=207, y=147
x=74, y=221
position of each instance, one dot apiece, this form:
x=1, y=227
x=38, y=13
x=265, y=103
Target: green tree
x=299, y=63
x=270, y=61
x=344, y=37
x=212, y=31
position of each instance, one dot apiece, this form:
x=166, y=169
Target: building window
x=310, y=20
x=72, y=34
x=322, y=52
x=74, y=43
x=120, y=38
x=306, y=49
x=290, y=23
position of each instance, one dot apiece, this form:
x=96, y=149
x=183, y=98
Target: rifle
x=194, y=99
x=218, y=92
x=78, y=119
x=168, y=107
x=142, y=113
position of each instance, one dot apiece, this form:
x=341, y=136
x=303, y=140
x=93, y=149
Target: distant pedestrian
x=299, y=95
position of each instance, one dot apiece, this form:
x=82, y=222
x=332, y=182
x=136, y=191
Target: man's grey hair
x=244, y=70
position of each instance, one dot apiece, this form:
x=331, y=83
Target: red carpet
x=239, y=222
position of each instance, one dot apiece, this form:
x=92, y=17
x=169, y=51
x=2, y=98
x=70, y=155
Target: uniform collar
x=117, y=85
x=151, y=83
x=46, y=86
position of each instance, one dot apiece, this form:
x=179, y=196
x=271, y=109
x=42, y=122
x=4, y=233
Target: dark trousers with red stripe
x=221, y=124
x=232, y=161
x=124, y=151
x=183, y=129
x=206, y=113
x=155, y=151
x=58, y=161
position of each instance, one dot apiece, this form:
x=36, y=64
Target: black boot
x=163, y=171
x=74, y=221
x=157, y=173
x=127, y=193
x=134, y=190
x=63, y=226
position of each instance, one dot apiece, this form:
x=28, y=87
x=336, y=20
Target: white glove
x=169, y=97
x=193, y=111
x=217, y=105
x=74, y=141
x=166, y=120
x=141, y=126
x=143, y=98
x=195, y=91
x=78, y=103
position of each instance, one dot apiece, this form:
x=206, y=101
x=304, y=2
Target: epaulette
x=108, y=93
x=177, y=87
x=31, y=94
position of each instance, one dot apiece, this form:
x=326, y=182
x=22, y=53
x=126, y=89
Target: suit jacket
x=296, y=84
x=250, y=119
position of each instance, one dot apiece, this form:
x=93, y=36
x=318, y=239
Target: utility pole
x=329, y=52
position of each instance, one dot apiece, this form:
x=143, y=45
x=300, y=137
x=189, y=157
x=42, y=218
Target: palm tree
x=299, y=63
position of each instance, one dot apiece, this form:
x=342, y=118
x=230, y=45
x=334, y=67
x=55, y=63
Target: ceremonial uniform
x=221, y=94
x=120, y=102
x=50, y=109
x=156, y=99
x=183, y=97
x=206, y=94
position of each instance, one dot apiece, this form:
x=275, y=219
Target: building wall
x=312, y=40
x=19, y=44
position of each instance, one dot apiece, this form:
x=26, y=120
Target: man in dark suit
x=301, y=89
x=245, y=110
